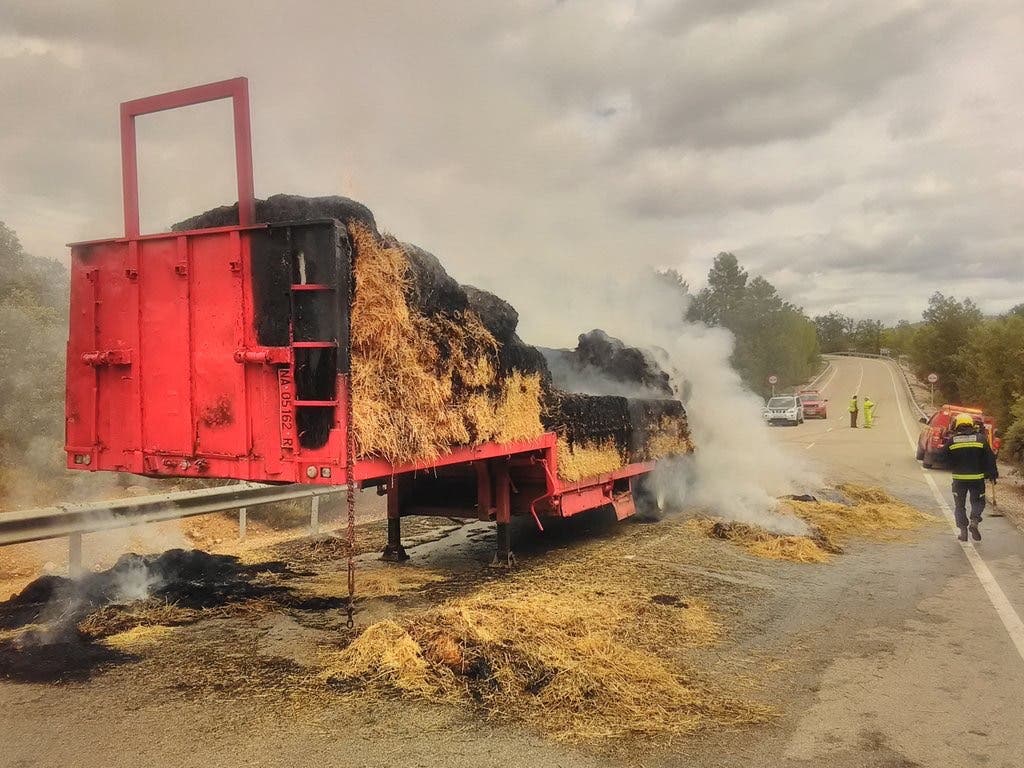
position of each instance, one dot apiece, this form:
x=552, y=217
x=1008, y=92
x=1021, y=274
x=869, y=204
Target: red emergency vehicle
x=934, y=438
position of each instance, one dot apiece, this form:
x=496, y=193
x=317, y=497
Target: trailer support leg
x=503, y=557
x=394, y=552
x=75, y=555
x=314, y=516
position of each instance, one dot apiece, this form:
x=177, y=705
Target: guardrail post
x=75, y=555
x=242, y=520
x=314, y=516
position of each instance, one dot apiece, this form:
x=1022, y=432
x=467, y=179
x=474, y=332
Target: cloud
x=858, y=155
x=660, y=185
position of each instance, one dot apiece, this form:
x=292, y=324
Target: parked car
x=784, y=409
x=814, y=404
x=932, y=442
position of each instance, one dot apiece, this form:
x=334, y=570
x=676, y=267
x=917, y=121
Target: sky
x=860, y=155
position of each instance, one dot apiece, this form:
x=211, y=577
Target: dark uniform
x=972, y=460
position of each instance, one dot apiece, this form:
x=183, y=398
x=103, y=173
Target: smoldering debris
x=56, y=618
x=436, y=364
x=866, y=513
x=815, y=548
x=70, y=660
x=190, y=578
x=590, y=648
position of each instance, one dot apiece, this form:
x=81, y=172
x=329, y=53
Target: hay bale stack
x=424, y=366
x=436, y=365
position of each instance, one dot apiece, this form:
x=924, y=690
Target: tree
x=940, y=342
x=867, y=337
x=833, y=330
x=33, y=330
x=899, y=339
x=717, y=301
x=993, y=366
x=771, y=335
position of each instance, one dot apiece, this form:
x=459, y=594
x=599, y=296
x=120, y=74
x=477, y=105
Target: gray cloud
x=860, y=155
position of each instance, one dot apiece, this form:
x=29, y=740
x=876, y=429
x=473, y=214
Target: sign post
x=932, y=378
x=773, y=380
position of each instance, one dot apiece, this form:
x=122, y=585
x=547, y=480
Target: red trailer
x=174, y=371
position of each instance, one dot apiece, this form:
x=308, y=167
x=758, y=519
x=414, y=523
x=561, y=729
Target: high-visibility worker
x=972, y=460
x=869, y=412
x=853, y=411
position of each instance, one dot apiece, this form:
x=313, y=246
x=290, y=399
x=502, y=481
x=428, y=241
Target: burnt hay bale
x=659, y=427
x=432, y=290
x=589, y=418
x=517, y=355
x=498, y=316
x=619, y=362
x=281, y=208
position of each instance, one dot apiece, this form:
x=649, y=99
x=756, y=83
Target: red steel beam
x=236, y=89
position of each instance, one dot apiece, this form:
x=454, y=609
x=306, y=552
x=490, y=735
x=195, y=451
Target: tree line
x=772, y=335
x=979, y=360
x=33, y=331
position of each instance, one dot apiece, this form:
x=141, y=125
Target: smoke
x=736, y=471
x=135, y=582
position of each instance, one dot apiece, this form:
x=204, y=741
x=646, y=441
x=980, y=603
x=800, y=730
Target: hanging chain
x=350, y=493
x=350, y=462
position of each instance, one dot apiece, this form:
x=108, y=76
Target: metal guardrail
x=910, y=393
x=73, y=520
x=859, y=354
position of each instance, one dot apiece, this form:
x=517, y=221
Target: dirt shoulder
x=1007, y=497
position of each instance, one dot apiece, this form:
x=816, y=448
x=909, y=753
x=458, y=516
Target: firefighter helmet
x=964, y=420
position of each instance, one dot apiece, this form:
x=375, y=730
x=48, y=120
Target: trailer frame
x=171, y=372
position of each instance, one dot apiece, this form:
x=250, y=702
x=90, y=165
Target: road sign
x=773, y=379
x=932, y=378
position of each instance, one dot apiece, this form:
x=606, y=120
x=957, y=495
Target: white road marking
x=835, y=369
x=830, y=429
x=1011, y=621
x=809, y=446
x=828, y=365
x=861, y=379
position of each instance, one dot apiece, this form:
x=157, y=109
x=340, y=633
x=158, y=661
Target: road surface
x=897, y=654
x=942, y=681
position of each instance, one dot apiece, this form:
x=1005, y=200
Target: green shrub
x=1013, y=437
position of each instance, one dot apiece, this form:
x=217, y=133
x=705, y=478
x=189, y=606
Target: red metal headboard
x=236, y=89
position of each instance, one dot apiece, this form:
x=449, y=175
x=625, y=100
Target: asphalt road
x=894, y=654
x=945, y=684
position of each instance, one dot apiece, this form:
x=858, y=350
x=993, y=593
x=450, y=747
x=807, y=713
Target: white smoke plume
x=737, y=471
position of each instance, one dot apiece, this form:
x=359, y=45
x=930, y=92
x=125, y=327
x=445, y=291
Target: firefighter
x=853, y=411
x=972, y=460
x=869, y=412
